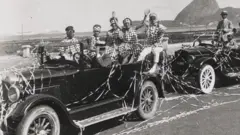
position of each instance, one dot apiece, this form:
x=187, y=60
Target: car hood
x=39, y=73
x=200, y=51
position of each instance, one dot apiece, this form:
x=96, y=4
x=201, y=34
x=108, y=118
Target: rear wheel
x=206, y=78
x=148, y=100
x=41, y=120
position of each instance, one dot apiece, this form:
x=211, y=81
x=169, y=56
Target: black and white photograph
x=119, y=67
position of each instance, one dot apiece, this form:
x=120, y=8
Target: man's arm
x=142, y=23
x=92, y=44
x=135, y=38
x=229, y=28
x=161, y=32
x=146, y=13
x=218, y=26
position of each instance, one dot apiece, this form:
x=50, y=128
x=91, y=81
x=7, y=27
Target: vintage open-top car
x=205, y=61
x=63, y=95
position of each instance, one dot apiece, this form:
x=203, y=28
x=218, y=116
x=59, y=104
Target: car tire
x=40, y=120
x=206, y=78
x=148, y=100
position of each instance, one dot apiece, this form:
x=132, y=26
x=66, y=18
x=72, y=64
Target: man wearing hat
x=70, y=46
x=224, y=27
x=73, y=44
x=100, y=51
x=95, y=39
x=155, y=32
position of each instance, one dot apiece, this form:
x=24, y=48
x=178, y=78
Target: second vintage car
x=205, y=62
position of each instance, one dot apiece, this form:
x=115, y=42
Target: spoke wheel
x=207, y=79
x=148, y=100
x=41, y=120
x=41, y=126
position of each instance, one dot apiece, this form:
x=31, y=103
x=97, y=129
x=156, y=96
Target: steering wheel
x=77, y=57
x=82, y=59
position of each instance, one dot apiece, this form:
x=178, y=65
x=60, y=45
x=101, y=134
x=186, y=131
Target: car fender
x=204, y=60
x=43, y=99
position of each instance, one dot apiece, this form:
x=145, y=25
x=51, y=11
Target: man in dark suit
x=224, y=27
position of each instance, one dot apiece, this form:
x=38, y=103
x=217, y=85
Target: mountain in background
x=197, y=9
x=205, y=12
x=233, y=15
x=200, y=13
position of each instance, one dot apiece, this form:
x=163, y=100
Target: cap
x=153, y=16
x=224, y=12
x=127, y=20
x=69, y=28
x=97, y=27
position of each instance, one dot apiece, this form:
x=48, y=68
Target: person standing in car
x=224, y=27
x=155, y=32
x=114, y=35
x=129, y=41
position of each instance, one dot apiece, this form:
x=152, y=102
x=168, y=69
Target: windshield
x=59, y=54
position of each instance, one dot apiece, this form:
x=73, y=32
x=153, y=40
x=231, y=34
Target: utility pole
x=22, y=32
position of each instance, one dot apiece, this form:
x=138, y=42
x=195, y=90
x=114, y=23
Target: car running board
x=233, y=74
x=104, y=117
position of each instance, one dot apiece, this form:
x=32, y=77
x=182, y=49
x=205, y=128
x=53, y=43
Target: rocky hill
x=233, y=15
x=205, y=12
x=197, y=9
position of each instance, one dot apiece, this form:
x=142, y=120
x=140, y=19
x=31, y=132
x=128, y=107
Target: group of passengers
x=120, y=42
x=123, y=41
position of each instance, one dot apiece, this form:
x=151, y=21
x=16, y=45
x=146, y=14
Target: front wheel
x=148, y=100
x=206, y=78
x=41, y=120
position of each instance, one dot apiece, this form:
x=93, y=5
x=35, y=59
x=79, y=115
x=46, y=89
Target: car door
x=91, y=85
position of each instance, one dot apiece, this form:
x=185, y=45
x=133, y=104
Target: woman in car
x=129, y=46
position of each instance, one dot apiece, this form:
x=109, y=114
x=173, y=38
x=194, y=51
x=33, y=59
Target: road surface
x=214, y=114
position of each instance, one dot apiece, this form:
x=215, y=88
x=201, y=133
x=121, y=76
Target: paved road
x=214, y=114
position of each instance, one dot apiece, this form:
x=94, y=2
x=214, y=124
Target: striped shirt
x=130, y=36
x=73, y=46
x=114, y=36
x=154, y=33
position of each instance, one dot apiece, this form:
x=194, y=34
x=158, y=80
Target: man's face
x=70, y=34
x=114, y=26
x=152, y=19
x=127, y=24
x=96, y=33
x=224, y=16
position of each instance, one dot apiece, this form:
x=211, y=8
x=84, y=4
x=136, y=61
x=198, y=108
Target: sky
x=49, y=15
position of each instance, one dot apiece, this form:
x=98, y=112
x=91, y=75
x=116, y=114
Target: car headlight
x=13, y=94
